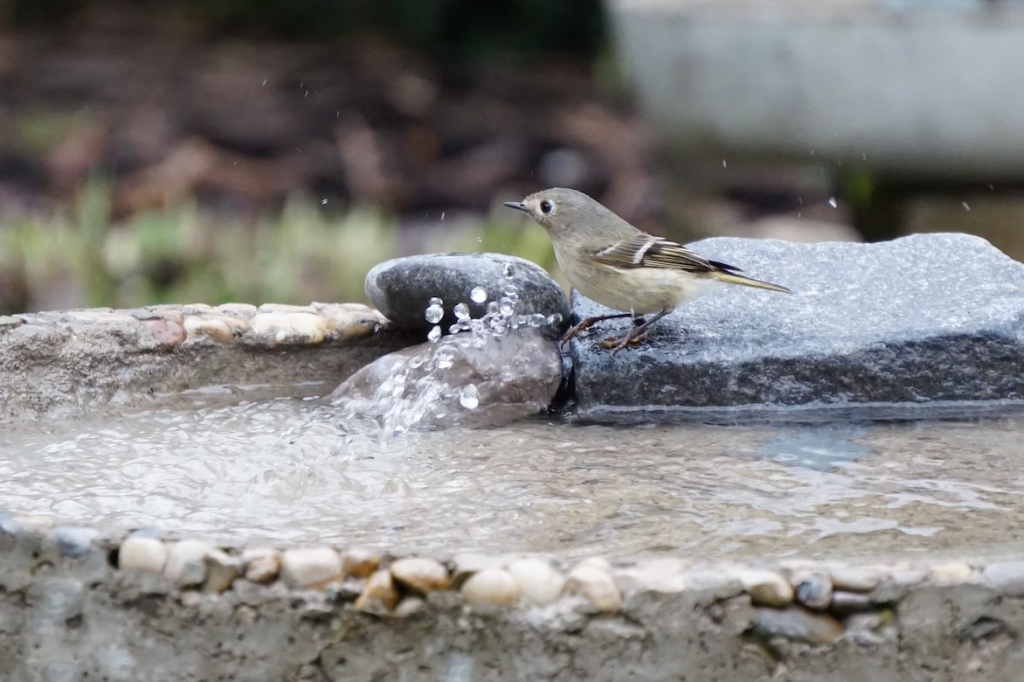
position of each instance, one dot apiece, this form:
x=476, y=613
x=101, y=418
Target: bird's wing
x=647, y=251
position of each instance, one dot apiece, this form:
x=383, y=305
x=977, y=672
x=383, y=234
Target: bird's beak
x=517, y=205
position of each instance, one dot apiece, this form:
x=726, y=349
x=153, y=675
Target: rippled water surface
x=285, y=470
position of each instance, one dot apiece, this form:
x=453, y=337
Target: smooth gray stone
x=402, y=287
x=467, y=379
x=923, y=326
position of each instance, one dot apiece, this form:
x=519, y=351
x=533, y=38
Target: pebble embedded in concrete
x=492, y=586
x=379, y=593
x=358, y=562
x=596, y=584
x=766, y=587
x=420, y=574
x=185, y=565
x=221, y=570
x=1007, y=576
x=951, y=573
x=813, y=589
x=142, y=554
x=312, y=567
x=408, y=607
x=465, y=565
x=262, y=564
x=539, y=582
x=798, y=624
x=73, y=541
x=856, y=578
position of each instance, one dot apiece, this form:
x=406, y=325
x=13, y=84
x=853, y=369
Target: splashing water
x=416, y=383
x=469, y=398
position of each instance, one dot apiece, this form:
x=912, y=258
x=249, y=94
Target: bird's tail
x=730, y=278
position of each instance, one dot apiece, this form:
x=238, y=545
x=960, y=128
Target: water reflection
x=282, y=470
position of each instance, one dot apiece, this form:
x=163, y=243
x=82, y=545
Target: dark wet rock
x=401, y=288
x=468, y=378
x=931, y=323
x=798, y=624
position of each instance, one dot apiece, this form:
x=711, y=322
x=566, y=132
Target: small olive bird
x=611, y=262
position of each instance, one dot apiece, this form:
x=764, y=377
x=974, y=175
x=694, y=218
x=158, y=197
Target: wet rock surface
x=929, y=324
x=468, y=379
x=401, y=288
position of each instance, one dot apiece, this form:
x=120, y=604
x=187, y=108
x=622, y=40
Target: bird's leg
x=588, y=322
x=634, y=335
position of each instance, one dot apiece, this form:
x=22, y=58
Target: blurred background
x=274, y=150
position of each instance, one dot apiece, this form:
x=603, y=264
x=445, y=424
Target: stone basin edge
x=103, y=357
x=350, y=611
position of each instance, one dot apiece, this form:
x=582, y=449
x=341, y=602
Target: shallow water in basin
x=284, y=470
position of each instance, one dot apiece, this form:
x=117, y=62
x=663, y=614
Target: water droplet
x=434, y=334
x=445, y=362
x=442, y=215
x=435, y=301
x=724, y=165
x=469, y=398
x=462, y=311
x=511, y=291
x=416, y=361
x=554, y=319
x=434, y=314
x=509, y=271
x=505, y=307
x=492, y=308
x=536, y=320
x=832, y=202
x=458, y=327
x=479, y=295
x=966, y=207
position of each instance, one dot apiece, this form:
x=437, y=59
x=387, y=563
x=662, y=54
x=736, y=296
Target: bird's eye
x=546, y=207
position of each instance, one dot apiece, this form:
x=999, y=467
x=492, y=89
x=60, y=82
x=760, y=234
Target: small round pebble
x=596, y=585
x=142, y=554
x=856, y=578
x=798, y=624
x=421, y=574
x=540, y=583
x=312, y=567
x=379, y=590
x=766, y=587
x=409, y=606
x=491, y=586
x=185, y=565
x=216, y=328
x=359, y=562
x=221, y=570
x=73, y=541
x=262, y=564
x=465, y=565
x=952, y=573
x=813, y=589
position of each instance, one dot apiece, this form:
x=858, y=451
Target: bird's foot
x=617, y=343
x=586, y=323
x=576, y=329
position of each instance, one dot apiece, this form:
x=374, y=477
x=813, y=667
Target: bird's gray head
x=559, y=209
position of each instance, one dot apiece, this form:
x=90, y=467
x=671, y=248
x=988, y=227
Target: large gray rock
x=401, y=288
x=471, y=379
x=920, y=326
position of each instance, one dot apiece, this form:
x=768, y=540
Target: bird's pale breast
x=638, y=290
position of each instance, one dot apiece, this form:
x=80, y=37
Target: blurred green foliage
x=450, y=29
x=185, y=255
